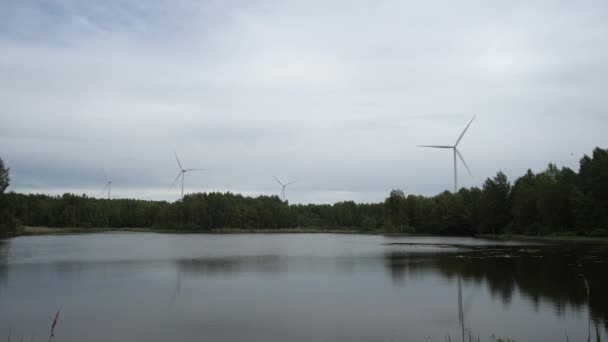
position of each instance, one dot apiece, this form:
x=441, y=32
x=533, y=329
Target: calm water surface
x=300, y=287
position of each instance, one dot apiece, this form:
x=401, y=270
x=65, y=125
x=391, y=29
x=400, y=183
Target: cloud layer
x=336, y=95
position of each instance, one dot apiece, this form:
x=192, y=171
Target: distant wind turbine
x=108, y=184
x=182, y=174
x=456, y=152
x=283, y=186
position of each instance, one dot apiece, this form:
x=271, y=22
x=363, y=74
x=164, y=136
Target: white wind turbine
x=456, y=153
x=283, y=186
x=108, y=184
x=182, y=174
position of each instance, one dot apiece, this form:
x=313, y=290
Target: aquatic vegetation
x=54, y=324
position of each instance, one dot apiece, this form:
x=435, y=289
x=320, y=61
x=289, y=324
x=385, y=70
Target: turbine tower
x=456, y=153
x=283, y=186
x=108, y=184
x=182, y=174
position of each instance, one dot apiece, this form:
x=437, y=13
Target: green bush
x=368, y=223
x=532, y=229
x=544, y=230
x=510, y=229
x=9, y=224
x=565, y=233
x=599, y=232
x=408, y=230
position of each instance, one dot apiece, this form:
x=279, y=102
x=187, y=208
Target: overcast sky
x=334, y=94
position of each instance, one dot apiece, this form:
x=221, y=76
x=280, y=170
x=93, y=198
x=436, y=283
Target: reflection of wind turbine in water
x=182, y=174
x=283, y=186
x=178, y=287
x=460, y=308
x=463, y=309
x=464, y=306
x=456, y=153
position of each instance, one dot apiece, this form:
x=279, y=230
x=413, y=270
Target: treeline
x=559, y=201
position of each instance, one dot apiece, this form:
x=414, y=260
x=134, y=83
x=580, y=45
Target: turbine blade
x=462, y=160
x=278, y=181
x=175, y=181
x=291, y=182
x=194, y=170
x=105, y=175
x=435, y=146
x=178, y=163
x=465, y=130
x=105, y=188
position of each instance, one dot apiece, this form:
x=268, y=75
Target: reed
x=54, y=324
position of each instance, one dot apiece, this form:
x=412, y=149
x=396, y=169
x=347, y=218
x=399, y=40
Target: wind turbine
x=108, y=184
x=283, y=186
x=456, y=153
x=182, y=174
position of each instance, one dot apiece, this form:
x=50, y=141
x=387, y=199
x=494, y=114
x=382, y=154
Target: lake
x=298, y=287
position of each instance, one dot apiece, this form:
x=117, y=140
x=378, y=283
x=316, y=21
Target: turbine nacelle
x=457, y=154
x=182, y=174
x=108, y=185
x=283, y=186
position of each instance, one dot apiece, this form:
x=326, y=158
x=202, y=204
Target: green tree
x=495, y=208
x=584, y=208
x=396, y=210
x=8, y=222
x=4, y=177
x=593, y=181
x=524, y=203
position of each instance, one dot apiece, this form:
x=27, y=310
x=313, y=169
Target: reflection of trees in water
x=541, y=273
x=264, y=264
x=4, y=247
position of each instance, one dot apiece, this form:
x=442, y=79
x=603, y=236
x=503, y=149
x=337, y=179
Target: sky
x=333, y=94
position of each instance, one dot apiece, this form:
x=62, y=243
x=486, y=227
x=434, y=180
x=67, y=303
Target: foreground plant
x=55, y=319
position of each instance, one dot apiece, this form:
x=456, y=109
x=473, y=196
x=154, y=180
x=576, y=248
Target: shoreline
x=544, y=238
x=30, y=231
x=38, y=231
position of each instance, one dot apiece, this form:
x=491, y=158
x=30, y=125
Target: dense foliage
x=8, y=222
x=4, y=178
x=557, y=201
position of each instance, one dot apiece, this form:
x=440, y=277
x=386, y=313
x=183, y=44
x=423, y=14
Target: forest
x=555, y=201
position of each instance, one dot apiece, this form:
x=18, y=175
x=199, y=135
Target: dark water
x=309, y=287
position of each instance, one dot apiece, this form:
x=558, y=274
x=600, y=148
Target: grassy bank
x=25, y=231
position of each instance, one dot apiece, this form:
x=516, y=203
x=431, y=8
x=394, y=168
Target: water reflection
x=3, y=263
x=297, y=287
x=547, y=274
x=541, y=274
x=264, y=264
